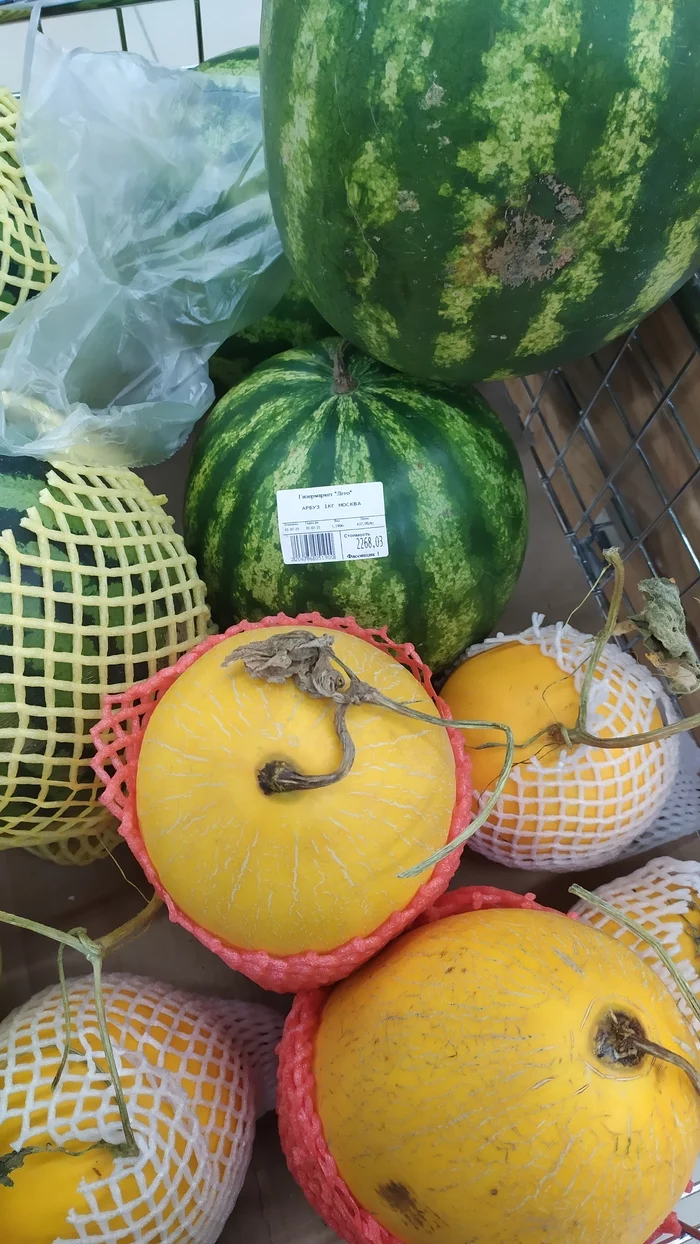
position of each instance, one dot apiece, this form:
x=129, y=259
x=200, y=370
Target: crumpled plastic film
x=151, y=193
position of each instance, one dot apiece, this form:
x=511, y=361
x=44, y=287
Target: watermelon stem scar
x=621, y=1038
x=315, y=668
x=343, y=381
x=94, y=951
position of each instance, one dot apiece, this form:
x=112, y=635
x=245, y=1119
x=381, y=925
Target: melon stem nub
x=620, y=1031
x=621, y=1039
x=311, y=663
x=278, y=778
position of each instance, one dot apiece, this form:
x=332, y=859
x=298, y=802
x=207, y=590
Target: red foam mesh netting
x=301, y=1131
x=118, y=738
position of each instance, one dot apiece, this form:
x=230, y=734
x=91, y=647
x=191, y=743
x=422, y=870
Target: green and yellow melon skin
x=96, y=592
x=456, y=504
x=472, y=189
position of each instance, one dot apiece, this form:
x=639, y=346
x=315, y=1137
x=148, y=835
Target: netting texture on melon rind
x=680, y=813
x=101, y=595
x=590, y=805
x=189, y=1067
x=25, y=264
x=658, y=896
x=118, y=738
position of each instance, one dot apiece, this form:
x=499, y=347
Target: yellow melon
x=561, y=807
x=296, y=871
x=188, y=1080
x=472, y=1085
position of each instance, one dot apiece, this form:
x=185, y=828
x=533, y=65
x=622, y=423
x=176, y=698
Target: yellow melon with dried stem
x=194, y=1072
x=481, y=1081
x=562, y=806
x=663, y=897
x=302, y=870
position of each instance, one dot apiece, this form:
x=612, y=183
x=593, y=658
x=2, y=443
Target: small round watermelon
x=453, y=491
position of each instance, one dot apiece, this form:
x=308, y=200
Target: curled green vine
x=95, y=951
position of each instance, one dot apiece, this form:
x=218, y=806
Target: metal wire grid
x=20, y=11
x=615, y=439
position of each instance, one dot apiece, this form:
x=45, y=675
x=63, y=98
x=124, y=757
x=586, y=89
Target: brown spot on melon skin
x=400, y=1198
x=524, y=252
x=524, y=238
x=567, y=201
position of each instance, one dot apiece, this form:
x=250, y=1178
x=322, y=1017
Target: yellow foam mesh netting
x=97, y=591
x=25, y=264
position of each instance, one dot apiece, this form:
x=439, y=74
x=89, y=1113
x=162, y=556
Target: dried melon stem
x=620, y=1037
x=312, y=664
x=94, y=951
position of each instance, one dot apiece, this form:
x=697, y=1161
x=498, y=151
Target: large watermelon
x=294, y=321
x=456, y=506
x=480, y=188
x=96, y=592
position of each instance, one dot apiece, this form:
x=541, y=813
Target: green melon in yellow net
x=25, y=264
x=97, y=592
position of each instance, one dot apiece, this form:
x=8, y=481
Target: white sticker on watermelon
x=338, y=523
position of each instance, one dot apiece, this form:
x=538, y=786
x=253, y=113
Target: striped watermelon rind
x=484, y=188
x=294, y=323
x=456, y=503
x=687, y=301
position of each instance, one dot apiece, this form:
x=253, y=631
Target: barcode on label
x=314, y=546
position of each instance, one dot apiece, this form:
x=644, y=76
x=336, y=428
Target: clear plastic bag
x=151, y=192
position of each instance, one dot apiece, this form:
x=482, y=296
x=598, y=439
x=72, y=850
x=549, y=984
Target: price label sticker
x=340, y=523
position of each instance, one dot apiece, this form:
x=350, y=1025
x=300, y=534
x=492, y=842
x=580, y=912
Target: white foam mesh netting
x=583, y=807
x=195, y=1071
x=664, y=897
x=680, y=813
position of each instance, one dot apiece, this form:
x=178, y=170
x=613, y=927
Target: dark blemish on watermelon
x=524, y=252
x=567, y=203
x=399, y=1198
